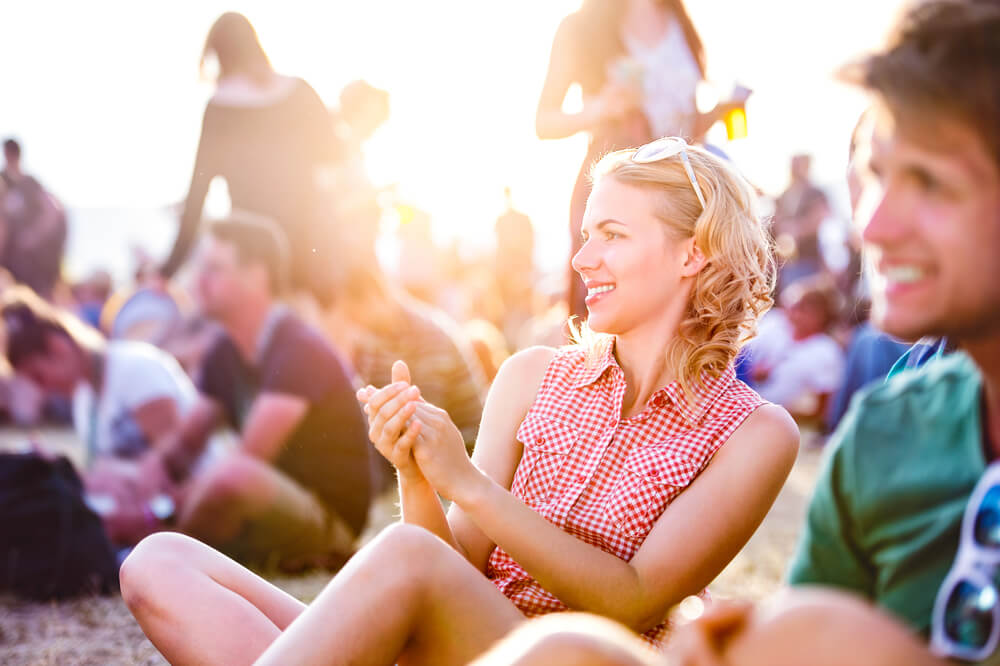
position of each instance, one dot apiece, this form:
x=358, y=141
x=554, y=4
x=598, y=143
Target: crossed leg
x=406, y=598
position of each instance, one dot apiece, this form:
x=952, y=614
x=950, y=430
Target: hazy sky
x=106, y=96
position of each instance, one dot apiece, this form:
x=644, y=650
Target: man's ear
x=694, y=259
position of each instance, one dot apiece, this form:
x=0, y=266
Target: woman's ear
x=694, y=259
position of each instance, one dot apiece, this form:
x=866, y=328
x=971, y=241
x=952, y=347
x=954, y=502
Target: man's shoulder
x=128, y=355
x=294, y=334
x=921, y=402
x=926, y=383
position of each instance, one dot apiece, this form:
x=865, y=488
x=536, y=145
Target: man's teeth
x=903, y=274
x=600, y=290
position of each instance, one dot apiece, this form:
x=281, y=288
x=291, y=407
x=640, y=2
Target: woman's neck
x=641, y=354
x=645, y=21
x=645, y=369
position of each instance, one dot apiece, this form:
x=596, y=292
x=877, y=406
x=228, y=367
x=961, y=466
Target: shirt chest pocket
x=541, y=472
x=651, y=478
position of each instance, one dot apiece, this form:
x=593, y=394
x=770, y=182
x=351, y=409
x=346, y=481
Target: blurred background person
x=34, y=234
x=297, y=489
x=269, y=136
x=638, y=63
x=376, y=323
x=362, y=111
x=127, y=398
x=806, y=372
x=514, y=268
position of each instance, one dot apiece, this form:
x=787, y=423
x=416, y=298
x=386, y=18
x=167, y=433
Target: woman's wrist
x=473, y=489
x=411, y=481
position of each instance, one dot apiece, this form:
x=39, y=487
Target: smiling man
x=886, y=519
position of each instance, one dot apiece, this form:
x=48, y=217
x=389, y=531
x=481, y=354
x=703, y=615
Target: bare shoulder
x=516, y=384
x=769, y=428
x=527, y=365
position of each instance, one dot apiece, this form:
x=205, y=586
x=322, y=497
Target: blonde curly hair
x=735, y=286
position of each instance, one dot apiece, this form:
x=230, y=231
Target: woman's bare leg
x=408, y=598
x=198, y=606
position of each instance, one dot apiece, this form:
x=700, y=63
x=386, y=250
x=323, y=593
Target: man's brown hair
x=943, y=57
x=258, y=240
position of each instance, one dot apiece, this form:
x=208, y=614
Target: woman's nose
x=585, y=258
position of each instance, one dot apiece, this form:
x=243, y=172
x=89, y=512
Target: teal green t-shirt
x=885, y=518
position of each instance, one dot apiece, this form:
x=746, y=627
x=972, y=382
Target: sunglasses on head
x=665, y=148
x=966, y=620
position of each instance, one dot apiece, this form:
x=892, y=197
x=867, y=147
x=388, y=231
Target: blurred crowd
x=216, y=393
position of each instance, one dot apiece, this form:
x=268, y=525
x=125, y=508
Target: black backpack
x=52, y=546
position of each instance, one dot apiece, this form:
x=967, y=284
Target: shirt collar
x=596, y=363
x=274, y=317
x=705, y=393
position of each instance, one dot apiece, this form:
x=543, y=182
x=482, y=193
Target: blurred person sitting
x=377, y=323
x=127, y=399
x=296, y=491
x=34, y=234
x=269, y=136
x=803, y=374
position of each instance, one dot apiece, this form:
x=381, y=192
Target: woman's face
x=636, y=275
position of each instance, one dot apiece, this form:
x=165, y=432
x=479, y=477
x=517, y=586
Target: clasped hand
x=418, y=438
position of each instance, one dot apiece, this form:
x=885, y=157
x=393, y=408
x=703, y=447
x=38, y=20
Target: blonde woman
x=617, y=476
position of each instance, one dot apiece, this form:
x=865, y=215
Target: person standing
x=270, y=137
x=638, y=63
x=35, y=226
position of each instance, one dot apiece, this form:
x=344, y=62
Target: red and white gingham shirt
x=606, y=479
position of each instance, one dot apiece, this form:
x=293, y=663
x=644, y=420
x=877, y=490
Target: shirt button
x=580, y=478
x=540, y=440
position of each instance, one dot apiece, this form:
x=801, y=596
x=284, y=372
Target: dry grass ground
x=100, y=631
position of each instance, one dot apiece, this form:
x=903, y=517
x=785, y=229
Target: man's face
x=221, y=282
x=931, y=218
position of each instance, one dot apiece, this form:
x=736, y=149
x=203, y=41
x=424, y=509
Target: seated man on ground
x=298, y=488
x=127, y=397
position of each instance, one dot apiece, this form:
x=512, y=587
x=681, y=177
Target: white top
x=670, y=76
x=135, y=373
x=808, y=368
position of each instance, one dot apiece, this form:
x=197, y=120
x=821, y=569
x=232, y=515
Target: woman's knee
x=153, y=562
x=409, y=556
x=412, y=542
